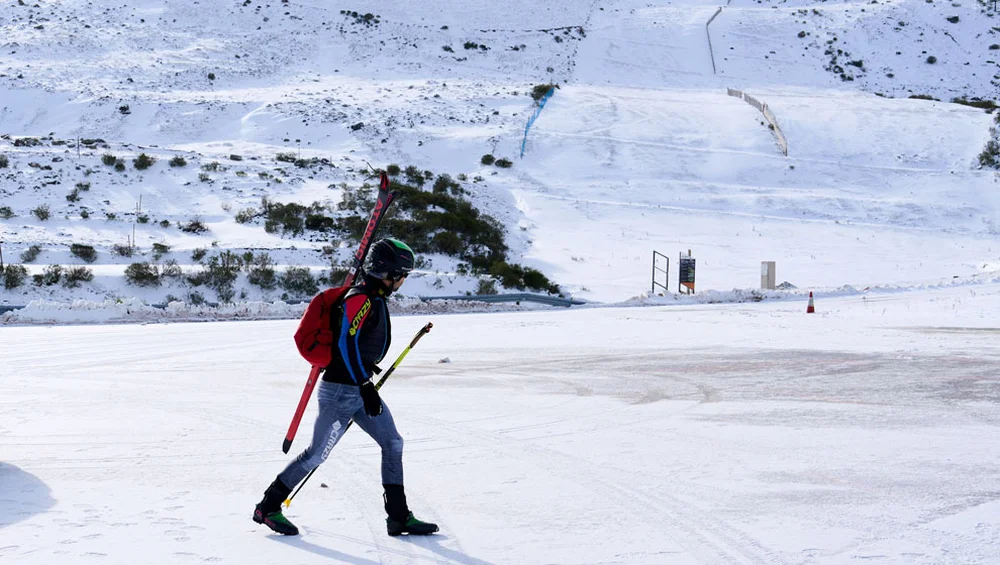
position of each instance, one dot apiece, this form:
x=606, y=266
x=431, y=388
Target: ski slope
x=708, y=434
x=640, y=149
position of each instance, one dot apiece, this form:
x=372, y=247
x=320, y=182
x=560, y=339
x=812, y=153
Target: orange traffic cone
x=811, y=309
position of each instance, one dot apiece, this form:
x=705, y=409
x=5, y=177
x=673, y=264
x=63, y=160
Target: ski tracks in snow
x=707, y=539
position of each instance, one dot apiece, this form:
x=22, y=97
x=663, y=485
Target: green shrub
x=487, y=159
x=261, y=273
x=443, y=183
x=142, y=219
x=178, y=161
x=42, y=212
x=84, y=213
x=50, y=276
x=486, y=287
x=142, y=274
x=922, y=97
x=319, y=222
x=122, y=250
x=194, y=226
x=6, y=212
x=85, y=252
x=204, y=177
x=299, y=282
x=171, y=270
x=414, y=176
x=198, y=254
x=83, y=186
x=990, y=157
x=219, y=274
x=392, y=170
x=143, y=162
x=516, y=276
x=14, y=276
x=30, y=254
x=504, y=163
x=109, y=159
x=164, y=223
x=73, y=196
x=285, y=157
x=214, y=167
x=76, y=275
x=27, y=142
x=338, y=273
x=159, y=250
x=540, y=90
x=246, y=216
x=120, y=165
x=987, y=105
x=287, y=218
x=447, y=242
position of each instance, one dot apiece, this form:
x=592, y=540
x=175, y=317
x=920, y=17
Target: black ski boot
x=268, y=510
x=401, y=520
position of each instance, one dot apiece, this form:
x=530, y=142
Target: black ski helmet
x=389, y=259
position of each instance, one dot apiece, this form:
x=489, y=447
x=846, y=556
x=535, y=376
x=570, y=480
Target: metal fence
x=517, y=297
x=768, y=115
x=710, y=52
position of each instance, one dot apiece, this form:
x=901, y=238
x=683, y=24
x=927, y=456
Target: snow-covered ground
x=707, y=434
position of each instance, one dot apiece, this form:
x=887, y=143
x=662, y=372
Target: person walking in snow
x=347, y=392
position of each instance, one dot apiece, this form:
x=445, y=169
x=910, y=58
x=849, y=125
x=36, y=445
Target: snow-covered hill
x=640, y=148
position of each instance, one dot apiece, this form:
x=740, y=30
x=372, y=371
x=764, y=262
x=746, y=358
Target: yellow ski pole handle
x=421, y=333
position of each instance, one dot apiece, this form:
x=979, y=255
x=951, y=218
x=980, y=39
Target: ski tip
x=286, y=445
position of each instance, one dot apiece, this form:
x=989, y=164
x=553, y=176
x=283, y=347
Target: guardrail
x=517, y=297
x=524, y=296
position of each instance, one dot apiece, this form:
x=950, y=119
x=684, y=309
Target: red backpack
x=316, y=334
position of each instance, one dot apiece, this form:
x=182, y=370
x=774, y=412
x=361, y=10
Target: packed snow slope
x=640, y=148
x=710, y=434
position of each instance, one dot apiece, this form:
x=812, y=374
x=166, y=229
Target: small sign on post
x=685, y=268
x=767, y=275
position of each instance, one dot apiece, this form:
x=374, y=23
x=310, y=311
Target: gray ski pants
x=338, y=404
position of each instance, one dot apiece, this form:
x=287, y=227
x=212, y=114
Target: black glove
x=373, y=403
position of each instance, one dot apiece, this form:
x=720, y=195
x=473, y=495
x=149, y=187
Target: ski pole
x=423, y=331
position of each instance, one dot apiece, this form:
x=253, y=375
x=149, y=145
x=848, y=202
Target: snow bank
x=135, y=310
